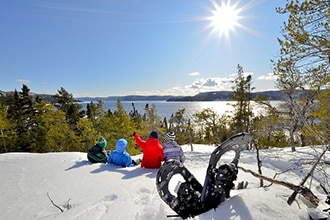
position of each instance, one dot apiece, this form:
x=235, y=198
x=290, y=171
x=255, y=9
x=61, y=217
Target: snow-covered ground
x=30, y=182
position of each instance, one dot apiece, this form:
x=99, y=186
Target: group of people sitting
x=153, y=152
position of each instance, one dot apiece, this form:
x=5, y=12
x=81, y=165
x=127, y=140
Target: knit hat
x=153, y=134
x=121, y=145
x=170, y=136
x=102, y=142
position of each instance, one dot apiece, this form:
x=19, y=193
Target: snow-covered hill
x=102, y=191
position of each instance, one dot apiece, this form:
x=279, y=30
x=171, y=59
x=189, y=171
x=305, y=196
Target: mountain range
x=204, y=96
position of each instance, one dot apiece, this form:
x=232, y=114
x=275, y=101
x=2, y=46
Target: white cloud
x=262, y=83
x=215, y=84
x=198, y=86
x=265, y=82
x=245, y=74
x=194, y=74
x=201, y=85
x=269, y=76
x=212, y=83
x=23, y=81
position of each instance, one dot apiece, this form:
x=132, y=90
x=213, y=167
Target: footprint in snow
x=110, y=198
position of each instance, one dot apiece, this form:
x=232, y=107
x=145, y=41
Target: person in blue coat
x=120, y=156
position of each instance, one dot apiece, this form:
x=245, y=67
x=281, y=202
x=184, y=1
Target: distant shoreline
x=206, y=96
x=272, y=95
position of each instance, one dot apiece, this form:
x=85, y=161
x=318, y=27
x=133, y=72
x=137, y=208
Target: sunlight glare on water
x=166, y=109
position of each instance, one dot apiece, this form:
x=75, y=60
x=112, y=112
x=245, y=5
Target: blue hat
x=153, y=134
x=102, y=142
x=121, y=145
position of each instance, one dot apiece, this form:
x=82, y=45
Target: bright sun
x=225, y=18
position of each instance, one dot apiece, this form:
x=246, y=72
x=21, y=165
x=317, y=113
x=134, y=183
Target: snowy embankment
x=101, y=191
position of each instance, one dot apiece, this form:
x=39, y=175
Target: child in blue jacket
x=120, y=156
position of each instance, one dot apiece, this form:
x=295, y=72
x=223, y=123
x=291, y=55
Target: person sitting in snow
x=171, y=150
x=120, y=156
x=98, y=154
x=152, y=150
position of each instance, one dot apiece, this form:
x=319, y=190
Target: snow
x=102, y=191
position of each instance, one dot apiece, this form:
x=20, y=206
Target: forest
x=30, y=124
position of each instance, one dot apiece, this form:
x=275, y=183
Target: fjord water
x=166, y=109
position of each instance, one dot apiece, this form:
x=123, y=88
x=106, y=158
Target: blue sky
x=129, y=47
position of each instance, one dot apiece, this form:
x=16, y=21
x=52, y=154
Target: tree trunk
x=4, y=142
x=259, y=167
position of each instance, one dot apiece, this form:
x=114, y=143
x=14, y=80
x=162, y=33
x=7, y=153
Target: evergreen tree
x=321, y=130
x=87, y=133
x=66, y=103
x=267, y=131
x=4, y=129
x=211, y=127
x=135, y=115
x=305, y=40
x=91, y=111
x=121, y=127
x=178, y=123
x=153, y=121
x=242, y=108
x=51, y=132
x=95, y=111
x=20, y=113
x=304, y=61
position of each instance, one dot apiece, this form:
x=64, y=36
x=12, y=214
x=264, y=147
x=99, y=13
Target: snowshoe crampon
x=191, y=197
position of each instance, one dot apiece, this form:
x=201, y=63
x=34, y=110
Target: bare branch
x=304, y=191
x=54, y=203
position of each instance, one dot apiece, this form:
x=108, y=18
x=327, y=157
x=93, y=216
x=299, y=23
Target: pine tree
x=121, y=126
x=178, y=123
x=95, y=111
x=20, y=113
x=51, y=132
x=4, y=129
x=303, y=64
x=152, y=121
x=242, y=96
x=87, y=133
x=322, y=113
x=305, y=40
x=66, y=103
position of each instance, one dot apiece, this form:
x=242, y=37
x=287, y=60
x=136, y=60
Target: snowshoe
x=187, y=202
x=192, y=198
x=236, y=143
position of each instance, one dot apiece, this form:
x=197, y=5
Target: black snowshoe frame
x=192, y=198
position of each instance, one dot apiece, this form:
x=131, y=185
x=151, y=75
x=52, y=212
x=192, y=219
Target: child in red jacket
x=152, y=150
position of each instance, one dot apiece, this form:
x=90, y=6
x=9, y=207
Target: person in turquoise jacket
x=120, y=156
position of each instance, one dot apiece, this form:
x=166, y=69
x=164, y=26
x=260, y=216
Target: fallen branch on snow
x=304, y=191
x=54, y=203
